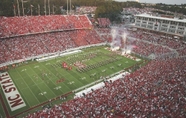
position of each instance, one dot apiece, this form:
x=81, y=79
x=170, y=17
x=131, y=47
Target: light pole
x=23, y=7
x=18, y=8
x=67, y=7
x=48, y=7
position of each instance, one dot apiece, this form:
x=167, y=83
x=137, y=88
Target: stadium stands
x=29, y=36
x=146, y=49
x=148, y=43
x=105, y=34
x=15, y=26
x=85, y=21
x=158, y=39
x=182, y=51
x=33, y=45
x=103, y=22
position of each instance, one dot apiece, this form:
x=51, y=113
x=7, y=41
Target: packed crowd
x=166, y=40
x=182, y=51
x=103, y=22
x=147, y=42
x=155, y=90
x=105, y=34
x=83, y=34
x=147, y=49
x=161, y=40
x=37, y=35
x=33, y=45
x=13, y=26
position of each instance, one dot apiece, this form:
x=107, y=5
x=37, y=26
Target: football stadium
x=73, y=65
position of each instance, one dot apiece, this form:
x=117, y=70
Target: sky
x=159, y=1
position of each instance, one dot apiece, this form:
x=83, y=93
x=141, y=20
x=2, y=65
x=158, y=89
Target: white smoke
x=113, y=34
x=120, y=40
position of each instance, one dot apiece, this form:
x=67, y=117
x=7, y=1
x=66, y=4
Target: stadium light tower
x=38, y=9
x=45, y=7
x=14, y=10
x=48, y=7
x=70, y=6
x=18, y=8
x=23, y=7
x=67, y=7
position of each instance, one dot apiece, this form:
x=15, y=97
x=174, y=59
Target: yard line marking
x=33, y=80
x=29, y=88
x=44, y=83
x=23, y=70
x=24, y=88
x=36, y=66
x=52, y=81
x=58, y=61
x=71, y=82
x=83, y=78
x=47, y=64
x=57, y=77
x=58, y=87
x=43, y=93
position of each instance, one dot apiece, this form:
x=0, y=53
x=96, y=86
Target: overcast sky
x=160, y=1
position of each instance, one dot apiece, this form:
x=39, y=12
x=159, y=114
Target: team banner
x=11, y=93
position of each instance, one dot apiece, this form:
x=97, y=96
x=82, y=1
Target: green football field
x=39, y=82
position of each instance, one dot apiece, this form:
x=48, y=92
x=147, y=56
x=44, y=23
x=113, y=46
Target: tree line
x=47, y=7
x=105, y=8
x=173, y=8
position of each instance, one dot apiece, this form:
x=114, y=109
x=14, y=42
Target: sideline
x=57, y=55
x=99, y=85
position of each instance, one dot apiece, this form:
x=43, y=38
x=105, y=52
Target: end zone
x=11, y=93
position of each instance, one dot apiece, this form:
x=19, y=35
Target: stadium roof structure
x=161, y=18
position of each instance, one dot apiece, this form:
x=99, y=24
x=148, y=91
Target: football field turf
x=39, y=82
